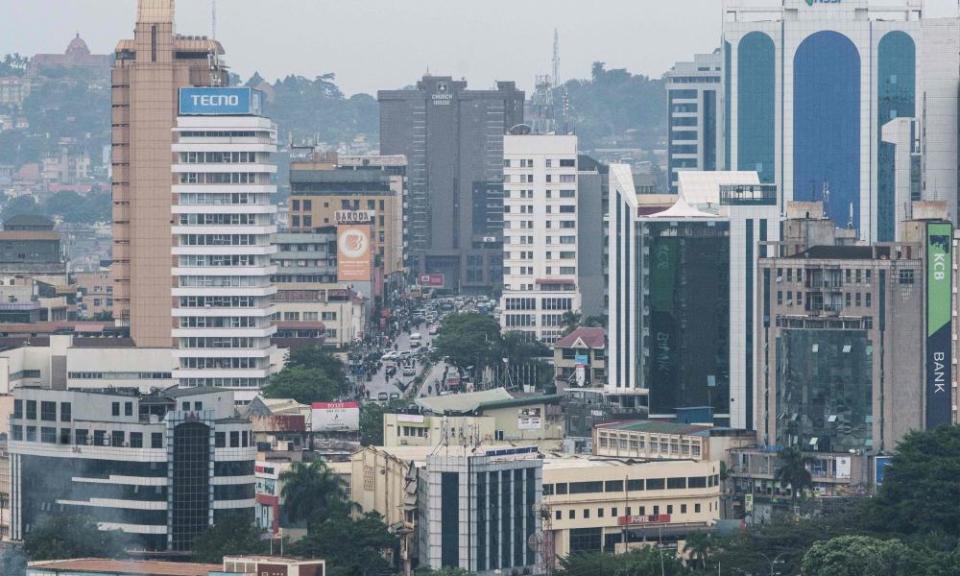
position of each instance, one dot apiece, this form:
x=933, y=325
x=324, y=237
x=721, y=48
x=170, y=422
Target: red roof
x=591, y=336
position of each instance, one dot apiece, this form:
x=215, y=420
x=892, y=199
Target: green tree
x=646, y=561
x=371, y=420
x=21, y=205
x=317, y=358
x=571, y=321
x=305, y=385
x=697, y=548
x=861, y=556
x=313, y=493
x=469, y=340
x=69, y=535
x=351, y=546
x=919, y=482
x=234, y=535
x=792, y=471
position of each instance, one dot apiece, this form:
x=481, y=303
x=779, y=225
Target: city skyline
x=642, y=40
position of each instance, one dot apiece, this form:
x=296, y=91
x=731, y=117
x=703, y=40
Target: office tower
x=681, y=312
x=160, y=467
x=841, y=346
x=809, y=87
x=223, y=223
x=694, y=115
x=345, y=189
x=592, y=207
x=147, y=72
x=539, y=235
x=477, y=508
x=453, y=141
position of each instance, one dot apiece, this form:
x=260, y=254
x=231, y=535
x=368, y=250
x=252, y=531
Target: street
x=380, y=383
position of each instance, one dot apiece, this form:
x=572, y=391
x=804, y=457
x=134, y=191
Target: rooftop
x=463, y=403
x=131, y=567
x=657, y=427
x=584, y=337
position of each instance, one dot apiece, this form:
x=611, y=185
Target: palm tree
x=792, y=471
x=571, y=321
x=312, y=492
x=697, y=548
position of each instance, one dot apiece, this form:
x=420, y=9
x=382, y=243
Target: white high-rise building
x=694, y=101
x=539, y=234
x=223, y=222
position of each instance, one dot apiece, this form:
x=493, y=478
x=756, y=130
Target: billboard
x=353, y=253
x=220, y=102
x=355, y=216
x=939, y=354
x=432, y=280
x=530, y=419
x=880, y=468
x=335, y=416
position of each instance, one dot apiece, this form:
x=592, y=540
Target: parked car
x=382, y=396
x=409, y=371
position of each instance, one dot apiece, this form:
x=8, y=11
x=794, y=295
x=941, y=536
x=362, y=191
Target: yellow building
x=335, y=190
x=430, y=430
x=592, y=503
x=384, y=480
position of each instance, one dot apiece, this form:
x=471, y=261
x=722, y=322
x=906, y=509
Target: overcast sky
x=371, y=44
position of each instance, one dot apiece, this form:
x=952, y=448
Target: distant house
x=586, y=346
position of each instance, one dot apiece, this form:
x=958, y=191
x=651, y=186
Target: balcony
x=748, y=194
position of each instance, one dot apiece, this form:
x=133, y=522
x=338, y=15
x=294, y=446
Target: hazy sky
x=371, y=44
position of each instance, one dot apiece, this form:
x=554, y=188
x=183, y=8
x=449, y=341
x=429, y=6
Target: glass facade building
x=756, y=80
x=695, y=122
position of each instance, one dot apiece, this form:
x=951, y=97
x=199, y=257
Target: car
x=382, y=396
x=394, y=395
x=433, y=330
x=390, y=356
x=409, y=371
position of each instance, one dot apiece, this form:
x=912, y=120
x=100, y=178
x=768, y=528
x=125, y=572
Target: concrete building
x=593, y=504
x=691, y=265
x=809, y=87
x=580, y=358
x=161, y=467
x=592, y=210
x=327, y=193
x=539, y=235
x=667, y=440
x=335, y=316
x=453, y=141
x=231, y=566
x=95, y=293
x=695, y=116
x=840, y=348
x=29, y=246
x=77, y=55
x=147, y=72
x=222, y=244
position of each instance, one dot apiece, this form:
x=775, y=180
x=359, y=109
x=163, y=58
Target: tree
x=21, y=205
x=917, y=483
x=305, y=385
x=313, y=493
x=792, y=471
x=697, y=548
x=861, y=556
x=316, y=358
x=70, y=535
x=233, y=535
x=371, y=420
x=571, y=321
x=469, y=340
x=646, y=561
x=351, y=546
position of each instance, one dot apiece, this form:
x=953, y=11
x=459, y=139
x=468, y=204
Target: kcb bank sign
x=220, y=102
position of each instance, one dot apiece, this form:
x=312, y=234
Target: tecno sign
x=812, y=2
x=213, y=101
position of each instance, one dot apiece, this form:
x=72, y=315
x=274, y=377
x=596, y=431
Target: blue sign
x=581, y=359
x=881, y=463
x=220, y=102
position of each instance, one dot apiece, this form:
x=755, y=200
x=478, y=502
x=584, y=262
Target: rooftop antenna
x=556, y=58
x=215, y=76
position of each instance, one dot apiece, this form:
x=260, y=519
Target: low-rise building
x=593, y=504
x=95, y=294
x=231, y=566
x=160, y=467
x=667, y=440
x=580, y=358
x=304, y=315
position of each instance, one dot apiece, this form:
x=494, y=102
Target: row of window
x=221, y=260
x=308, y=316
x=220, y=157
x=563, y=240
x=649, y=443
x=48, y=410
x=632, y=485
x=89, y=375
x=219, y=302
x=628, y=511
x=224, y=178
x=225, y=219
x=548, y=163
x=528, y=178
x=218, y=239
x=224, y=282
x=222, y=322
x=528, y=194
x=231, y=199
x=83, y=437
x=849, y=299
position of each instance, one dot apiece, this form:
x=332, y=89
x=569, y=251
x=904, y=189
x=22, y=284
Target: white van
x=415, y=340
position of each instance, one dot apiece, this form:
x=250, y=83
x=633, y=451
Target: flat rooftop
x=657, y=427
x=131, y=567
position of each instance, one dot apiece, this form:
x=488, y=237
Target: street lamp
x=773, y=563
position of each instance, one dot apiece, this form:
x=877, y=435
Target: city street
x=380, y=383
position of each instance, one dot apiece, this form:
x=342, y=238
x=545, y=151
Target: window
x=586, y=513
x=635, y=485
x=683, y=508
x=586, y=487
x=81, y=437
x=669, y=509
x=613, y=511
x=562, y=488
x=48, y=411
x=31, y=409
x=18, y=408
x=31, y=433
x=613, y=486
x=115, y=409
x=696, y=508
x=17, y=433
x=128, y=408
x=676, y=483
x=655, y=484
x=220, y=440
x=568, y=163
x=599, y=512
x=697, y=482
x=906, y=277
x=116, y=438
x=65, y=436
x=48, y=435
x=558, y=515
x=99, y=437
x=156, y=439
x=571, y=514
x=136, y=439
x=65, y=412
x=235, y=439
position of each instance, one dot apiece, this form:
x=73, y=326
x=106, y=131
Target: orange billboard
x=353, y=253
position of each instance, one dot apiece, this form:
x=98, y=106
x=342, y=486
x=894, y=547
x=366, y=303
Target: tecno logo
x=812, y=2
x=219, y=99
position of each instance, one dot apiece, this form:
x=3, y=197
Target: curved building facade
x=809, y=87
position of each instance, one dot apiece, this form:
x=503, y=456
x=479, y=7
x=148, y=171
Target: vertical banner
x=353, y=253
x=939, y=323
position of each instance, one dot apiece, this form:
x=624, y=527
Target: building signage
x=335, y=416
x=880, y=468
x=530, y=419
x=416, y=418
x=220, y=102
x=442, y=99
x=432, y=280
x=843, y=467
x=812, y=2
x=651, y=519
x=353, y=253
x=355, y=216
x=939, y=354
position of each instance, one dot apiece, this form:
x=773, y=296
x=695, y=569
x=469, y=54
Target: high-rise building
x=222, y=240
x=809, y=86
x=147, y=72
x=681, y=312
x=453, y=141
x=539, y=234
x=160, y=467
x=840, y=349
x=694, y=115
